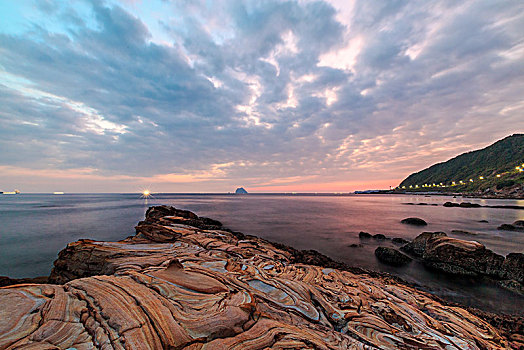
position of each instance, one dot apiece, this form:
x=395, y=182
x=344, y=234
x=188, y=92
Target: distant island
x=241, y=190
x=494, y=171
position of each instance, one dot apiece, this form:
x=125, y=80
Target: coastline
x=81, y=262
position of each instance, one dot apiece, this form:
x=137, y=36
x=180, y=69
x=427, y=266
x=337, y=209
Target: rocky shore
x=185, y=282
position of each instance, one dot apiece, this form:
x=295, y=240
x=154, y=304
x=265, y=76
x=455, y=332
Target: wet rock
x=363, y=234
x=354, y=245
x=512, y=286
x=414, y=221
x=513, y=267
x=6, y=281
x=462, y=205
x=379, y=236
x=462, y=232
x=418, y=245
x=484, y=221
x=391, y=256
x=461, y=257
x=516, y=226
x=399, y=240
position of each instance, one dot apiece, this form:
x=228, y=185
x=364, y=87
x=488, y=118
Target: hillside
x=494, y=168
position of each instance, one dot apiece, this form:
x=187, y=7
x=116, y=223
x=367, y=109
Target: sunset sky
x=207, y=96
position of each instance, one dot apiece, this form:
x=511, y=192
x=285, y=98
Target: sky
x=274, y=96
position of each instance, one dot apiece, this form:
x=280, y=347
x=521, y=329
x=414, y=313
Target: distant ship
x=59, y=192
x=11, y=192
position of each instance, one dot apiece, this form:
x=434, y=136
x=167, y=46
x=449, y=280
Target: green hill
x=496, y=166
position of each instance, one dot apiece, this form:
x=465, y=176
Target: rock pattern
x=391, y=256
x=183, y=282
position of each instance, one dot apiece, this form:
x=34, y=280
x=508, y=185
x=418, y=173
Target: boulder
x=379, y=236
x=462, y=232
x=418, y=245
x=513, y=267
x=511, y=227
x=461, y=257
x=363, y=234
x=391, y=256
x=462, y=205
x=399, y=240
x=414, y=221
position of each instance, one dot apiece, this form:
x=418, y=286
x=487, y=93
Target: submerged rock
x=176, y=285
x=516, y=226
x=414, y=221
x=355, y=245
x=462, y=205
x=363, y=234
x=379, y=236
x=462, y=232
x=399, y=240
x=391, y=256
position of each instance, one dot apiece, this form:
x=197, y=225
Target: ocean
x=35, y=227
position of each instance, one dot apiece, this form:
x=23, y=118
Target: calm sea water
x=35, y=227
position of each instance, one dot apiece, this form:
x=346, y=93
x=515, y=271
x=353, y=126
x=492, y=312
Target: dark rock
x=418, y=245
x=462, y=205
x=469, y=205
x=391, y=256
x=414, y=221
x=422, y=204
x=354, y=245
x=462, y=232
x=241, y=190
x=519, y=223
x=512, y=286
x=511, y=227
x=468, y=258
x=6, y=281
x=484, y=221
x=399, y=240
x=513, y=267
x=456, y=256
x=379, y=236
x=363, y=234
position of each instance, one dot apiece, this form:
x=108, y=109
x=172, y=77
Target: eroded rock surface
x=183, y=282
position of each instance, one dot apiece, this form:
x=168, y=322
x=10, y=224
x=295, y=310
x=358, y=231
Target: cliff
x=491, y=170
x=184, y=282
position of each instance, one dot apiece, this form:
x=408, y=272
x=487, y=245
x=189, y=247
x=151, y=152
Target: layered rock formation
x=183, y=282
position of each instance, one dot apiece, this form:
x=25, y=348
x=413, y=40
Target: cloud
x=284, y=93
